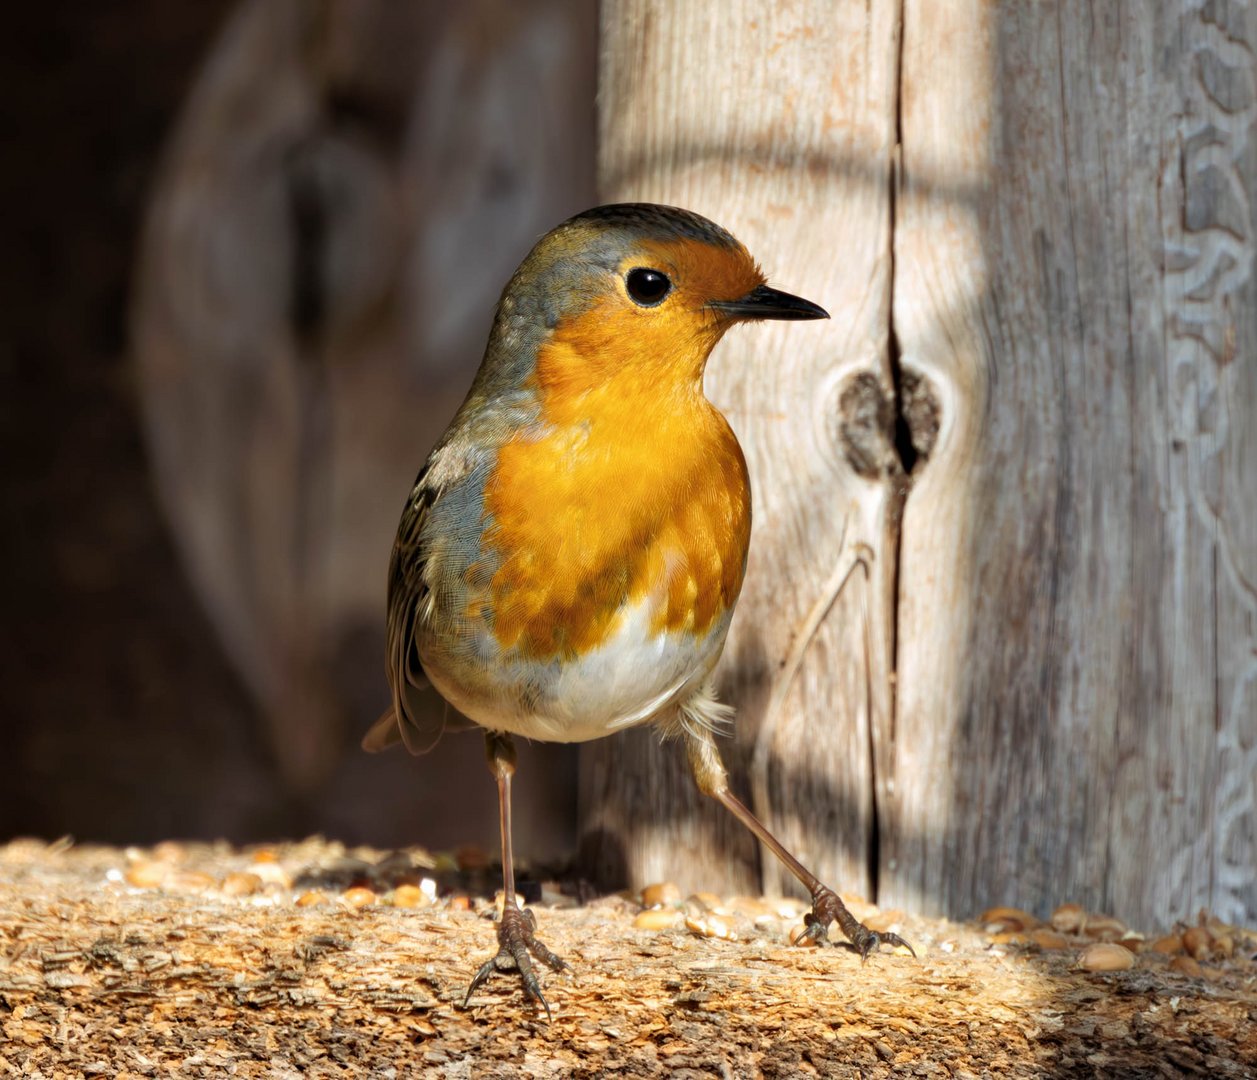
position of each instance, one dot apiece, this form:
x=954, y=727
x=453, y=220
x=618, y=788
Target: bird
x=568, y=560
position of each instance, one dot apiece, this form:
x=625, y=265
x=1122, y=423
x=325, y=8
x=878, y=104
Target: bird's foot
x=826, y=907
x=516, y=939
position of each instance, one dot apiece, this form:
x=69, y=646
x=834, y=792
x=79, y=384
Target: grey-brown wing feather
x=411, y=719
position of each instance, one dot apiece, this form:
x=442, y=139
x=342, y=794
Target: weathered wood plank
x=347, y=189
x=1078, y=625
x=778, y=122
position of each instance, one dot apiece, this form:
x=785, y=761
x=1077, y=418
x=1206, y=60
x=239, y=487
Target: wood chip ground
x=259, y=964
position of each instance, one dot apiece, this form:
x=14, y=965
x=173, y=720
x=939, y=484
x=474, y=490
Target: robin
x=569, y=558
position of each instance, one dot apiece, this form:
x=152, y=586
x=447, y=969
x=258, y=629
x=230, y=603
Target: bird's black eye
x=647, y=287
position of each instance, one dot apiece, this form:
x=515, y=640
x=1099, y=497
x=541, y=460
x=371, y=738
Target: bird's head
x=636, y=290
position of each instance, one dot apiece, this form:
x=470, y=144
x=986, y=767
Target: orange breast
x=638, y=490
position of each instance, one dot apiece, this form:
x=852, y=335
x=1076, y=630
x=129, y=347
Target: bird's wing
x=410, y=719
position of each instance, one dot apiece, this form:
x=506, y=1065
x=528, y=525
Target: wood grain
x=778, y=123
x=1078, y=618
x=346, y=191
x=1046, y=682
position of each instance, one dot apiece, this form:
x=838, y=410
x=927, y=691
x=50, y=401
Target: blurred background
x=252, y=251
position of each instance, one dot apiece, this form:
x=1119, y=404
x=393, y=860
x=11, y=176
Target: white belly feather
x=632, y=677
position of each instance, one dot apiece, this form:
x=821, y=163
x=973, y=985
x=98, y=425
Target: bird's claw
x=826, y=908
x=516, y=939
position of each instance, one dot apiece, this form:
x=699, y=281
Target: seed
x=410, y=896
x=1198, y=942
x=706, y=900
x=192, y=881
x=272, y=873
x=1223, y=943
x=309, y=899
x=657, y=919
x=1104, y=927
x=1000, y=920
x=1105, y=956
x=148, y=875
x=359, y=896
x=241, y=884
x=459, y=903
x=661, y=894
x=717, y=926
x=1069, y=919
x=1171, y=945
x=884, y=921
x=1132, y=940
x=1049, y=939
x=1186, y=965
x=797, y=936
x=169, y=851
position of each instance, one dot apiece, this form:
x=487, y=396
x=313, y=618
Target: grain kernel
x=309, y=899
x=1198, y=942
x=717, y=926
x=1105, y=956
x=1069, y=919
x=148, y=875
x=1049, y=939
x=1186, y=965
x=657, y=919
x=1132, y=940
x=999, y=920
x=359, y=896
x=169, y=851
x=797, y=936
x=885, y=921
x=661, y=894
x=191, y=881
x=1171, y=945
x=272, y=873
x=1104, y=928
x=241, y=884
x=410, y=896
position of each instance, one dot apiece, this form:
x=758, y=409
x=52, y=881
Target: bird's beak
x=763, y=302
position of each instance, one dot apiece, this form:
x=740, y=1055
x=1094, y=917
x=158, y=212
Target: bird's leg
x=516, y=930
x=709, y=773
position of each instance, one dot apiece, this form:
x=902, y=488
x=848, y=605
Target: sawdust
x=188, y=978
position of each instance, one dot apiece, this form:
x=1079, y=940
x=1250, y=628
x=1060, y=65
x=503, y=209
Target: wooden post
x=779, y=124
x=1043, y=361
x=1078, y=624
x=348, y=188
